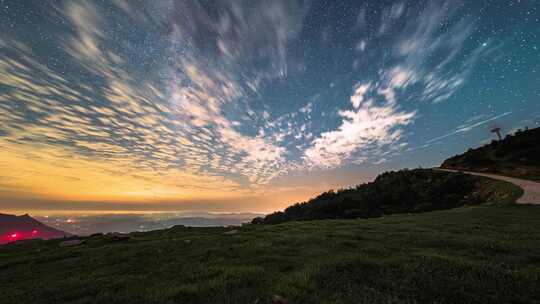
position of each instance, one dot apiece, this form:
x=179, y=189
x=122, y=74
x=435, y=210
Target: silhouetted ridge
x=405, y=191
x=516, y=155
x=16, y=228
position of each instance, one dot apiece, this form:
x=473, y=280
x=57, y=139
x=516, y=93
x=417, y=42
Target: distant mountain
x=15, y=228
x=102, y=223
x=516, y=155
x=405, y=191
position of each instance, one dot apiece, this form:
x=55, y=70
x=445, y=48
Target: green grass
x=498, y=192
x=478, y=254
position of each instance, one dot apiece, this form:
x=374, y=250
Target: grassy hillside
x=406, y=191
x=516, y=155
x=476, y=254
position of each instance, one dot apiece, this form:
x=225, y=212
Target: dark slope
x=406, y=191
x=16, y=228
x=479, y=254
x=516, y=155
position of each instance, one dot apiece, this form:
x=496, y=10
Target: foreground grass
x=487, y=254
x=480, y=254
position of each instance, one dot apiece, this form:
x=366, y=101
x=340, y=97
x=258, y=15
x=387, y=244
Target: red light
x=34, y=231
x=14, y=235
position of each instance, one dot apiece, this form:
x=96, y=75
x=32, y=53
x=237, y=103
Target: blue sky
x=249, y=105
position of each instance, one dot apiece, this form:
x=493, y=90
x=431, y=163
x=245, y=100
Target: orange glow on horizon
x=54, y=174
x=58, y=175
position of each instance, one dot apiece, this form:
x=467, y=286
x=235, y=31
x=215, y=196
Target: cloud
x=368, y=126
x=237, y=36
x=358, y=96
x=361, y=19
x=467, y=127
x=423, y=50
x=418, y=65
x=179, y=109
x=361, y=46
x=112, y=141
x=126, y=136
x=225, y=52
x=397, y=78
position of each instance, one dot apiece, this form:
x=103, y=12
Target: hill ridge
x=23, y=227
x=412, y=191
x=517, y=155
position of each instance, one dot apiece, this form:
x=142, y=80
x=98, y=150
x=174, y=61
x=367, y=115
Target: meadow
x=486, y=253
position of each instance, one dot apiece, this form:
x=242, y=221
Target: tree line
x=405, y=191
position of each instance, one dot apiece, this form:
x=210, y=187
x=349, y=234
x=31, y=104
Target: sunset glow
x=269, y=151
x=179, y=105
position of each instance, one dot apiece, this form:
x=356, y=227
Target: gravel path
x=531, y=190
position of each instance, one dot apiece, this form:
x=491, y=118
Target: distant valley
x=103, y=223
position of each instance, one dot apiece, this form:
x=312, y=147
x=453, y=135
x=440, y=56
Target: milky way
x=248, y=105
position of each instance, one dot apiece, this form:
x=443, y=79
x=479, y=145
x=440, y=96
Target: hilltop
x=423, y=190
x=405, y=191
x=517, y=155
x=17, y=228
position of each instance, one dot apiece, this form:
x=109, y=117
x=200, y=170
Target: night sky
x=249, y=106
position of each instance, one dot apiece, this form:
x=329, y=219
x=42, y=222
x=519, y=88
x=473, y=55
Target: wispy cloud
x=181, y=127
x=467, y=127
x=124, y=140
x=464, y=128
x=423, y=49
x=414, y=67
x=366, y=127
x=179, y=109
x=249, y=45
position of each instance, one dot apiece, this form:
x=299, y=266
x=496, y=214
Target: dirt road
x=531, y=190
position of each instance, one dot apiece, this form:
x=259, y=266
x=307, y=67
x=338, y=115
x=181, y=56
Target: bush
x=405, y=191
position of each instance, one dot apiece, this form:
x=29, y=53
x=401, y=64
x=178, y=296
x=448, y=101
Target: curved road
x=531, y=190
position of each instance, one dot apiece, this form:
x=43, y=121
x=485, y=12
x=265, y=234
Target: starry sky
x=249, y=106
